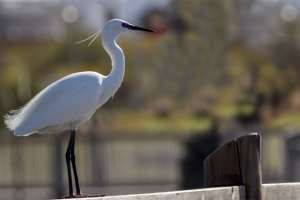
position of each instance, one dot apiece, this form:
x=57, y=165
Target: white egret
x=72, y=100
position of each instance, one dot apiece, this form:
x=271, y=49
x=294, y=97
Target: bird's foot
x=81, y=195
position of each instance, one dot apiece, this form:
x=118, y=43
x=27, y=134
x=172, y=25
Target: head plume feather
x=95, y=35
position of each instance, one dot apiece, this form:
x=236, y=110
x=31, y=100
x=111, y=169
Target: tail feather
x=14, y=119
x=11, y=120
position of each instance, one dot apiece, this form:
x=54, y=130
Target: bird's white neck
x=117, y=57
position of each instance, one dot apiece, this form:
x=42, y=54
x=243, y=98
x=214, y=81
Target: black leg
x=68, y=159
x=74, y=165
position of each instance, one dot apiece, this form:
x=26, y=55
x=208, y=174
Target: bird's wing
x=64, y=102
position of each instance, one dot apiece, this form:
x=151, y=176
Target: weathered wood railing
x=236, y=163
x=232, y=172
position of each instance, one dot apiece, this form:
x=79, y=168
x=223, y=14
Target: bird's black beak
x=138, y=28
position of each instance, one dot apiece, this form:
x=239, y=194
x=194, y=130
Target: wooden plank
x=279, y=191
x=236, y=163
x=221, y=168
x=249, y=159
x=222, y=193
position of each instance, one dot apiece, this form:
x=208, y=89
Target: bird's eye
x=125, y=25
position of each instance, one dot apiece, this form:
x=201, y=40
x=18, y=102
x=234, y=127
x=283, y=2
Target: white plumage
x=63, y=105
x=72, y=100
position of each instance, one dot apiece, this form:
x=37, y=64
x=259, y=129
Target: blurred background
x=215, y=70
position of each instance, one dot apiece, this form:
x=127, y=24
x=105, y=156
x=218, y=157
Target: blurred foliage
x=202, y=66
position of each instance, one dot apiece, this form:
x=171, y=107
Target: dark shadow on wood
x=236, y=163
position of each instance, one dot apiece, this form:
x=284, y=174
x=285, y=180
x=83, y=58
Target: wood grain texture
x=222, y=193
x=236, y=163
x=221, y=168
x=249, y=158
x=278, y=191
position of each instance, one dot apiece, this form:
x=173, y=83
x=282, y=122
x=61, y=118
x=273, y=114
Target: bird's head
x=117, y=26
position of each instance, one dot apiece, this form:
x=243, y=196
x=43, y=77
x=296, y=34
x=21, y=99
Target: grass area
x=231, y=110
x=147, y=123
x=286, y=120
x=175, y=122
x=184, y=123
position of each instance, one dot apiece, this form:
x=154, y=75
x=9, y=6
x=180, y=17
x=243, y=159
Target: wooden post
x=236, y=163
